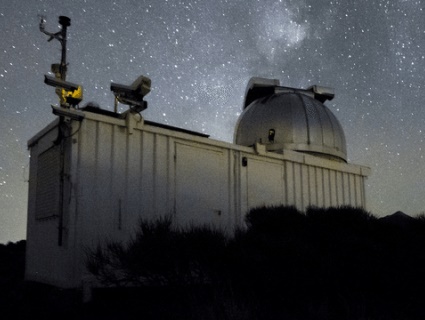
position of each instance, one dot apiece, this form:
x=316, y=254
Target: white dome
x=291, y=119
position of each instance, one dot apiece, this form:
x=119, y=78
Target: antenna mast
x=69, y=94
x=65, y=22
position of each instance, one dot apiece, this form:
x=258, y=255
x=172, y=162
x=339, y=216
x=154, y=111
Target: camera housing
x=133, y=94
x=68, y=112
x=56, y=82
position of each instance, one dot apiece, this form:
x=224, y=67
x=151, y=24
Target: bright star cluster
x=200, y=55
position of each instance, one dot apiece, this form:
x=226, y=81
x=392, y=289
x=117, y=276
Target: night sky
x=200, y=55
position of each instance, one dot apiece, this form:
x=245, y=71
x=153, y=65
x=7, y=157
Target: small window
x=272, y=133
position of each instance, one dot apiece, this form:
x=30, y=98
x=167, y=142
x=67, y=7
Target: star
x=200, y=56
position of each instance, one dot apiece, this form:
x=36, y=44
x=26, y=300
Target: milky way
x=200, y=55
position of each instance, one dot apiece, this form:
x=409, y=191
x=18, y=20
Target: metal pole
x=65, y=22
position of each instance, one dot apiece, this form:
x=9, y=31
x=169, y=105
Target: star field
x=200, y=55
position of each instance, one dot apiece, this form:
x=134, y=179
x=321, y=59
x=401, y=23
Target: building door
x=200, y=185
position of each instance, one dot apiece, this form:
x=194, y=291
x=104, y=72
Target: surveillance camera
x=69, y=113
x=139, y=88
x=121, y=89
x=133, y=94
x=56, y=82
x=142, y=85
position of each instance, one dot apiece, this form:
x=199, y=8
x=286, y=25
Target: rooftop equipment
x=133, y=94
x=70, y=95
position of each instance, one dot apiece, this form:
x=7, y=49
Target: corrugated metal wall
x=302, y=185
x=153, y=171
x=121, y=170
x=46, y=261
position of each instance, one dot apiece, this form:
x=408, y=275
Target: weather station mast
x=65, y=22
x=70, y=94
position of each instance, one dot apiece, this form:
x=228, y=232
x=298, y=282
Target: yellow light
x=72, y=97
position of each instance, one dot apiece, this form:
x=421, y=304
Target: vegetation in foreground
x=336, y=263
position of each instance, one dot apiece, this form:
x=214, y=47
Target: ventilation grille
x=48, y=179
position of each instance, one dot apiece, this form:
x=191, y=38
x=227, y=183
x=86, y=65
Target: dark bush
x=160, y=254
x=335, y=263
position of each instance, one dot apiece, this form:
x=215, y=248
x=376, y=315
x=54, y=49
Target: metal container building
x=93, y=180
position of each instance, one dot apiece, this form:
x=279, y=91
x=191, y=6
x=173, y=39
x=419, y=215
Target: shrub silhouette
x=160, y=255
x=341, y=263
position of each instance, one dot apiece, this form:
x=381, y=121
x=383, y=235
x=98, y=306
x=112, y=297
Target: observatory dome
x=290, y=119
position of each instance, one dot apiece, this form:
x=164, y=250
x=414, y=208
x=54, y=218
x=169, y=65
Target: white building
x=93, y=176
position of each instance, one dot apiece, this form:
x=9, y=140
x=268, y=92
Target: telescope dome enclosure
x=291, y=119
